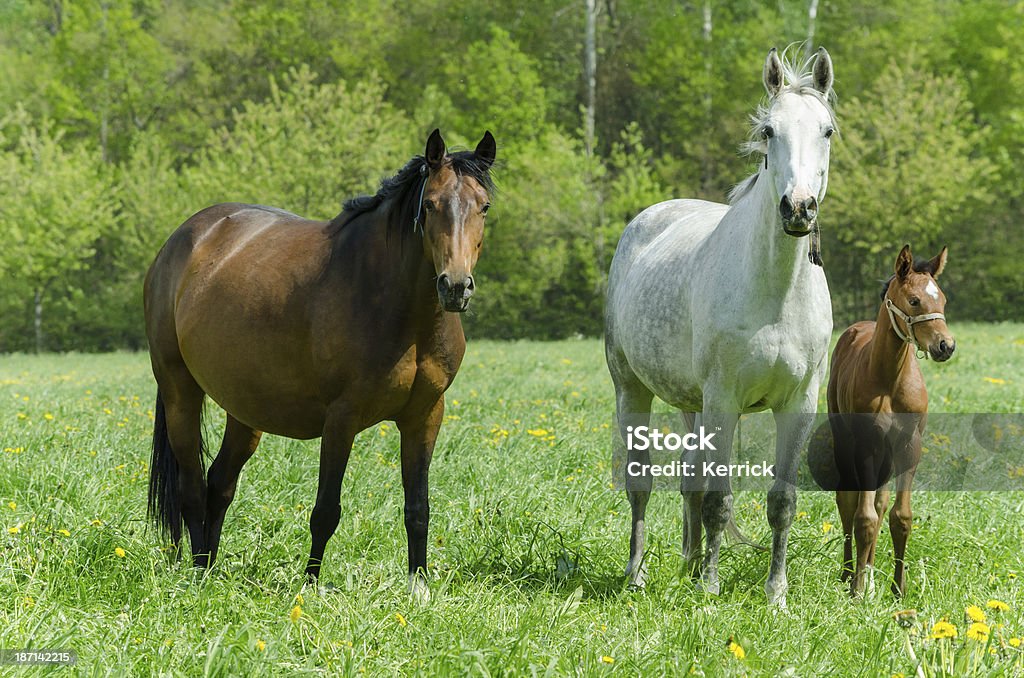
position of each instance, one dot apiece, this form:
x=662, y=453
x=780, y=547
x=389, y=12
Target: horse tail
x=734, y=533
x=164, y=507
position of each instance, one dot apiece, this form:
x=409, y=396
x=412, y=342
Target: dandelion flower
x=997, y=605
x=299, y=599
x=16, y=529
x=295, y=614
x=995, y=380
x=736, y=649
x=978, y=631
x=537, y=432
x=96, y=522
x=1014, y=642
x=119, y=552
x=48, y=417
x=826, y=527
x=975, y=613
x=605, y=659
x=64, y=532
x=943, y=629
x=260, y=645
x=400, y=619
x=12, y=505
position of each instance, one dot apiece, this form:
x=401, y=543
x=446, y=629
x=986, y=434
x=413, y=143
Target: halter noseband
x=910, y=320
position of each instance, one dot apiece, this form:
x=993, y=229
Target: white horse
x=718, y=310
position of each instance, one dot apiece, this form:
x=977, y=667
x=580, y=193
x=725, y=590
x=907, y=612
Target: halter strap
x=910, y=320
x=416, y=223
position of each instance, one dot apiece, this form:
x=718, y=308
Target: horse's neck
x=763, y=254
x=889, y=355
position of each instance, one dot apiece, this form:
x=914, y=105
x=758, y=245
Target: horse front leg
x=901, y=517
x=335, y=448
x=792, y=428
x=716, y=504
x=633, y=408
x=419, y=433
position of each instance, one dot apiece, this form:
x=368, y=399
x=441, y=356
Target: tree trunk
x=590, y=73
x=38, y=319
x=812, y=15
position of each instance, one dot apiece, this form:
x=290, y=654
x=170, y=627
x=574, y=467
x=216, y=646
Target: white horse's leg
x=692, y=489
x=633, y=408
x=792, y=429
x=716, y=507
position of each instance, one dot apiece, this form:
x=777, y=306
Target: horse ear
x=904, y=262
x=435, y=149
x=939, y=262
x=487, y=149
x=823, y=76
x=772, y=73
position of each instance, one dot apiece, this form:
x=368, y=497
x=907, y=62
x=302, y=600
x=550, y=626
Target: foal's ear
x=487, y=149
x=772, y=73
x=904, y=262
x=435, y=149
x=823, y=71
x=939, y=262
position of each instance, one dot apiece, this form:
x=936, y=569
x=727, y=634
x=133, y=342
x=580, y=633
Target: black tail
x=164, y=506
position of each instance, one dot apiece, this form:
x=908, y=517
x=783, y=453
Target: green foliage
x=303, y=103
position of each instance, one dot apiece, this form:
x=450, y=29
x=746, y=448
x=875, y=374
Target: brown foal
x=878, y=407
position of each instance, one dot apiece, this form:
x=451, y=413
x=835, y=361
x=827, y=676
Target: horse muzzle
x=455, y=296
x=943, y=350
x=798, y=218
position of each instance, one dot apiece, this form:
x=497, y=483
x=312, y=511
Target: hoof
x=712, y=587
x=636, y=575
x=418, y=589
x=776, y=595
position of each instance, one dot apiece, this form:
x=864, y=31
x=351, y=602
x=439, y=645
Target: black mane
x=404, y=188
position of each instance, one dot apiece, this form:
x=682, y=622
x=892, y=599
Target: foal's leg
x=792, y=428
x=238, y=445
x=335, y=447
x=633, y=408
x=864, y=523
x=183, y=404
x=716, y=508
x=900, y=522
x=846, y=502
x=419, y=433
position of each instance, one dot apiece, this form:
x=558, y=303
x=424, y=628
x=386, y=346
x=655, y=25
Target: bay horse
x=309, y=329
x=718, y=310
x=878, y=408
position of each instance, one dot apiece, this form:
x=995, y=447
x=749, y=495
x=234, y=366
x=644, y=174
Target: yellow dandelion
x=943, y=629
x=605, y=659
x=64, y=532
x=537, y=432
x=975, y=613
x=107, y=410
x=995, y=380
x=48, y=417
x=119, y=552
x=997, y=605
x=96, y=522
x=12, y=505
x=22, y=415
x=979, y=631
x=1014, y=642
x=736, y=649
x=16, y=529
x=400, y=619
x=299, y=599
x=260, y=645
x=295, y=614
x=826, y=527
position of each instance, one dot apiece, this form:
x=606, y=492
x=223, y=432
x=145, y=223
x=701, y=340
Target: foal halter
x=910, y=320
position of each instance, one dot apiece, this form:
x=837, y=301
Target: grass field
x=527, y=543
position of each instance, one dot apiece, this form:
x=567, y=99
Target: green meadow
x=527, y=544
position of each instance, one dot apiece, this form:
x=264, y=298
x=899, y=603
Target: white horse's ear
x=772, y=73
x=823, y=76
x=904, y=262
x=939, y=262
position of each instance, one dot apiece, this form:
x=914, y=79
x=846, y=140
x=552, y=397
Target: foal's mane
x=798, y=78
x=400, y=193
x=920, y=266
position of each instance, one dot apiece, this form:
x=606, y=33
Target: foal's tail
x=164, y=506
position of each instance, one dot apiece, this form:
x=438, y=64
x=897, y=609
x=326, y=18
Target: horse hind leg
x=633, y=408
x=238, y=445
x=693, y=497
x=177, y=491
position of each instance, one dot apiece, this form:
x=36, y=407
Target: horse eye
x=768, y=132
x=828, y=132
x=483, y=210
x=914, y=301
x=428, y=205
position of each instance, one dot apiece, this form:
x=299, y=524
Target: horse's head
x=916, y=304
x=455, y=201
x=794, y=130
